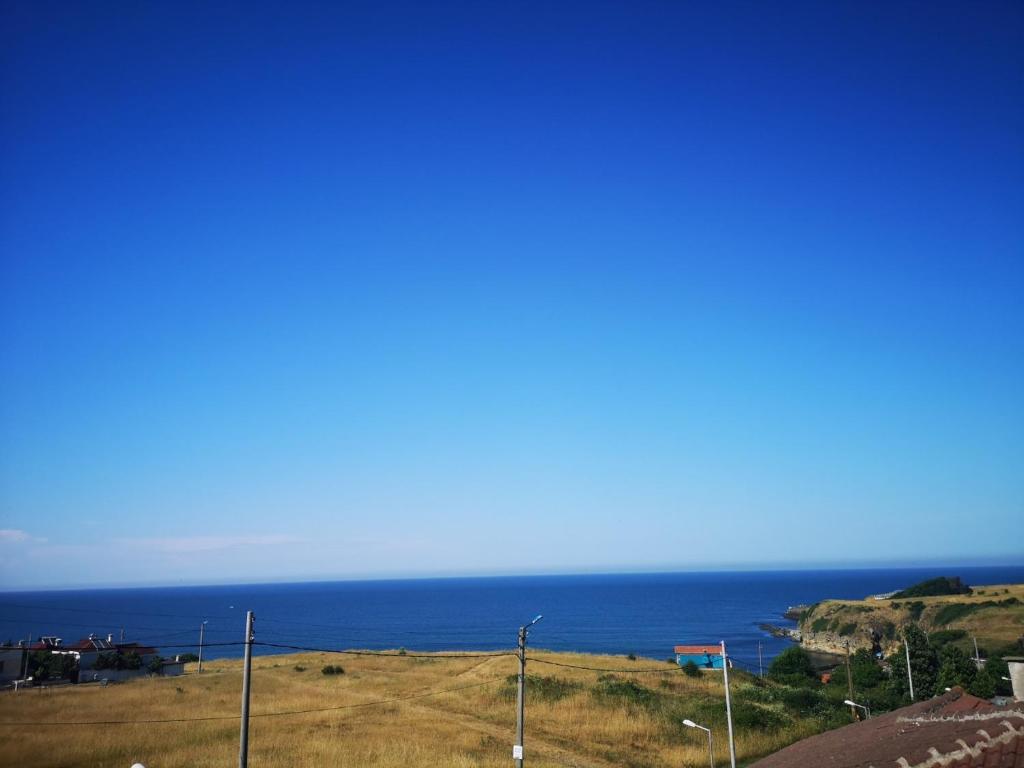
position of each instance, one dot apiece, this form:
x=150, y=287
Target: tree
x=867, y=673
x=983, y=686
x=793, y=666
x=924, y=663
x=156, y=665
x=955, y=668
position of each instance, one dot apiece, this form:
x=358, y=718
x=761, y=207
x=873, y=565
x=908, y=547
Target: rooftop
x=955, y=730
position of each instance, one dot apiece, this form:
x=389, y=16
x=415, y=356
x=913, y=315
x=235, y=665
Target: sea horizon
x=613, y=613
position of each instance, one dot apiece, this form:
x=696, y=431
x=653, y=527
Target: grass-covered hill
x=992, y=614
x=575, y=717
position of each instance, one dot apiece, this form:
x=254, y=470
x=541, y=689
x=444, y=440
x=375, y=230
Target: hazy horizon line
x=764, y=567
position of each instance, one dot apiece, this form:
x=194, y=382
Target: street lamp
x=711, y=742
x=867, y=711
x=517, y=748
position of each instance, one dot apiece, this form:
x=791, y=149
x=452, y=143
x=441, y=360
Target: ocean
x=643, y=614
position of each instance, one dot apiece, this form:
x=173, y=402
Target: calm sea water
x=645, y=614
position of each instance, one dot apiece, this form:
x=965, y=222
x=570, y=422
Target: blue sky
x=329, y=290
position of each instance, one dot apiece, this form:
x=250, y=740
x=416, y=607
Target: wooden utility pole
x=243, y=742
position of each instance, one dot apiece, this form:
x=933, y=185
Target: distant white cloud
x=15, y=536
x=187, y=544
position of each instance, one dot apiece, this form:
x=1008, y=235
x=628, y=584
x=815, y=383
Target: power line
x=283, y=713
x=439, y=655
x=660, y=671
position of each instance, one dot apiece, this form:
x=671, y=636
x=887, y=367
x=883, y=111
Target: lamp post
x=517, y=748
x=867, y=711
x=711, y=742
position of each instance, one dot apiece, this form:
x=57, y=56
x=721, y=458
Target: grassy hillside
x=574, y=717
x=993, y=614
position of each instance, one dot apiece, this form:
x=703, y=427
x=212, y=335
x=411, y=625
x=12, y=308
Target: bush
x=299, y=668
x=848, y=629
x=631, y=657
x=793, y=666
x=614, y=690
x=819, y=625
x=748, y=715
x=914, y=609
x=944, y=637
x=540, y=688
x=333, y=669
x=690, y=669
x=187, y=657
x=943, y=585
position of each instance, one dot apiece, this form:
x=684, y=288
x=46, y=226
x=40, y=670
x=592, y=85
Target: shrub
x=793, y=666
x=914, y=609
x=299, y=668
x=943, y=585
x=631, y=657
x=626, y=692
x=748, y=715
x=819, y=625
x=333, y=669
x=539, y=688
x=848, y=629
x=690, y=669
x=944, y=637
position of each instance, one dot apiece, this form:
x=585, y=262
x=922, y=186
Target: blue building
x=704, y=656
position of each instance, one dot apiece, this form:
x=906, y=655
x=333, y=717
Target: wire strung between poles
x=398, y=654
x=283, y=713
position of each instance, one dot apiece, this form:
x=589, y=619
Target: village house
x=704, y=656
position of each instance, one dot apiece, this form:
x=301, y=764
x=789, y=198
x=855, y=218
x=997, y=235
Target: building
x=955, y=730
x=704, y=656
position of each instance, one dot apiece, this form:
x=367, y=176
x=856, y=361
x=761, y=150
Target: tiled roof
x=714, y=650
x=955, y=730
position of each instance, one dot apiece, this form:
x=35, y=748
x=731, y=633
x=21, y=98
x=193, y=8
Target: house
x=88, y=651
x=704, y=656
x=955, y=730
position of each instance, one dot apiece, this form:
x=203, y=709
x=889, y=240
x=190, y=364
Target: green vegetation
x=943, y=585
x=118, y=661
x=944, y=637
x=953, y=611
x=819, y=624
x=333, y=669
x=793, y=667
x=541, y=688
x=43, y=665
x=914, y=609
x=690, y=669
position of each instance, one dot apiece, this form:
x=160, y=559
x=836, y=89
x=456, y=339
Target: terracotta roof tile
x=954, y=730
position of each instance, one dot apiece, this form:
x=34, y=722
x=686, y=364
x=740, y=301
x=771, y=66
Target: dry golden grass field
x=574, y=717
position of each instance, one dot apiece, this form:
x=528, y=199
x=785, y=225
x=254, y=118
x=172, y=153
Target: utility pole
x=728, y=707
x=760, y=661
x=243, y=743
x=977, y=656
x=849, y=681
x=28, y=650
x=202, y=628
x=910, y=675
x=517, y=748
x=122, y=634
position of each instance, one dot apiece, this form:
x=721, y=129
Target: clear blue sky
x=300, y=290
